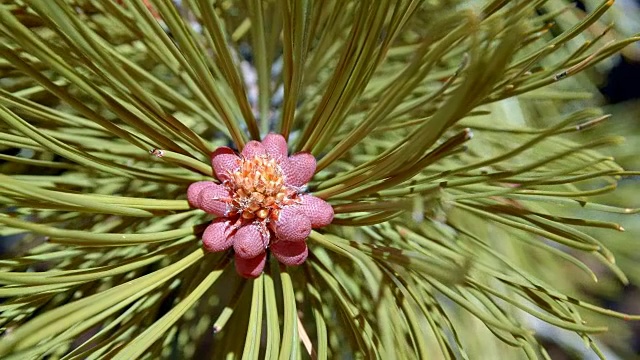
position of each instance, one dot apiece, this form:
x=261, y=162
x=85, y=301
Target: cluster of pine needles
x=456, y=224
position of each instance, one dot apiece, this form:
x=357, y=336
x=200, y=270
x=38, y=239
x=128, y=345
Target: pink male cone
x=251, y=268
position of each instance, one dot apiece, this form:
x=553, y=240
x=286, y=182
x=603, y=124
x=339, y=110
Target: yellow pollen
x=259, y=190
x=262, y=213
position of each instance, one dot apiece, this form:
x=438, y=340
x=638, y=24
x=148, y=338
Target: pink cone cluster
x=259, y=204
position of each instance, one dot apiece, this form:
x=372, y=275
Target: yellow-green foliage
x=453, y=216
